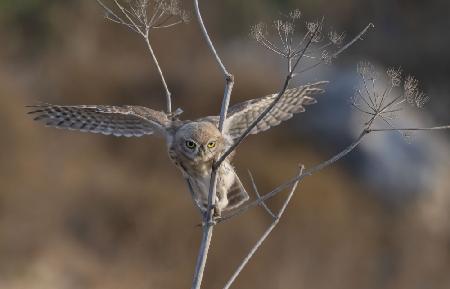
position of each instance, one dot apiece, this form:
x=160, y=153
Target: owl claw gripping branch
x=193, y=146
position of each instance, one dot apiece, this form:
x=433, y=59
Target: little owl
x=193, y=146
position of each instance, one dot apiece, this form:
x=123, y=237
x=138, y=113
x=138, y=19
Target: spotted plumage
x=192, y=145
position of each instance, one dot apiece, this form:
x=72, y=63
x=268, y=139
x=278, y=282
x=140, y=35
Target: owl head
x=199, y=141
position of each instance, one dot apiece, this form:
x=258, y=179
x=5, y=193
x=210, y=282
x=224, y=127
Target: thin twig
x=229, y=79
x=116, y=18
x=208, y=39
x=323, y=165
x=306, y=173
x=299, y=56
x=161, y=75
x=410, y=129
x=144, y=32
x=336, y=54
x=269, y=108
x=263, y=204
x=125, y=12
x=265, y=235
x=208, y=222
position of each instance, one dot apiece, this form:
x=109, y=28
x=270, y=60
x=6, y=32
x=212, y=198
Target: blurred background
x=90, y=211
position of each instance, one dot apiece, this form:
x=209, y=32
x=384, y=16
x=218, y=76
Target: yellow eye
x=211, y=144
x=190, y=144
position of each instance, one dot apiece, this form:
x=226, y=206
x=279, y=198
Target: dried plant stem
x=342, y=49
x=208, y=226
x=410, y=129
x=263, y=204
x=291, y=74
x=161, y=75
x=264, y=235
x=367, y=130
x=269, y=108
x=208, y=39
x=208, y=222
x=144, y=31
x=305, y=173
x=294, y=182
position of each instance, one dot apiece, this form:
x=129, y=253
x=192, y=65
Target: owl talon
x=217, y=213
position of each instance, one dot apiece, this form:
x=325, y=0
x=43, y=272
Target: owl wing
x=241, y=115
x=116, y=120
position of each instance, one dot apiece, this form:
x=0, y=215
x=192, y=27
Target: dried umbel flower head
x=143, y=15
x=336, y=38
x=413, y=94
x=295, y=14
x=310, y=44
x=258, y=31
x=366, y=70
x=315, y=29
x=395, y=74
x=326, y=57
x=383, y=104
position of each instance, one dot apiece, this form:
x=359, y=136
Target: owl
x=192, y=146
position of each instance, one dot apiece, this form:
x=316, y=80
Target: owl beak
x=202, y=150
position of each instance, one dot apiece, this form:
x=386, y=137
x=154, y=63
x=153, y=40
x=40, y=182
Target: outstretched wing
x=116, y=120
x=241, y=115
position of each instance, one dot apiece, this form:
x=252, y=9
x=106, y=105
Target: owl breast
x=198, y=176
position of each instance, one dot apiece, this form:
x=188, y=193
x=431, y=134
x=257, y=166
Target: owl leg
x=221, y=202
x=197, y=202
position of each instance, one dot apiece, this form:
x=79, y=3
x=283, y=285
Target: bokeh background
x=90, y=211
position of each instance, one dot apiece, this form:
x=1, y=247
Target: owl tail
x=236, y=195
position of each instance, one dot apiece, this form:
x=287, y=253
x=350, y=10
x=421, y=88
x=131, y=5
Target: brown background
x=90, y=211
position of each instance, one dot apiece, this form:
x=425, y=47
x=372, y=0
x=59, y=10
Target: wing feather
x=109, y=120
x=241, y=116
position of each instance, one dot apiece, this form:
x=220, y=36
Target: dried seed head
x=287, y=28
x=312, y=26
x=336, y=38
x=258, y=31
x=366, y=70
x=295, y=14
x=326, y=57
x=355, y=99
x=278, y=23
x=412, y=93
x=421, y=100
x=395, y=74
x=315, y=29
x=142, y=3
x=172, y=7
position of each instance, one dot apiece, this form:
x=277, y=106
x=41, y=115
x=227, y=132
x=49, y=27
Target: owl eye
x=211, y=144
x=190, y=144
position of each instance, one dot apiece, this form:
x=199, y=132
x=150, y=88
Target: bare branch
x=168, y=25
x=358, y=37
x=410, y=129
x=306, y=173
x=128, y=16
x=161, y=75
x=263, y=204
x=312, y=32
x=269, y=108
x=266, y=233
x=208, y=39
x=323, y=165
x=208, y=222
x=337, y=53
x=110, y=15
x=229, y=79
x=136, y=18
